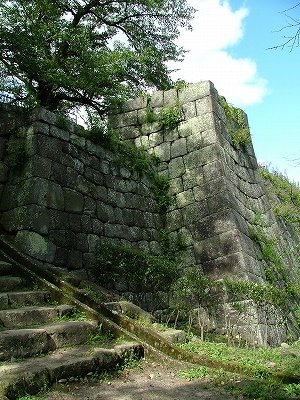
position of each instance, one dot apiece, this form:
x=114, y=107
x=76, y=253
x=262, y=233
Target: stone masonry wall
x=216, y=186
x=69, y=195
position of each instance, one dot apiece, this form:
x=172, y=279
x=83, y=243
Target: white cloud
x=216, y=28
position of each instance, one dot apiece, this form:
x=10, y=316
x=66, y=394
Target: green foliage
x=297, y=315
x=16, y=151
x=286, y=205
x=193, y=289
x=195, y=373
x=150, y=115
x=171, y=116
x=160, y=188
x=63, y=54
x=258, y=364
x=137, y=269
x=63, y=122
x=274, y=271
x=95, y=294
x=130, y=361
x=236, y=124
x=241, y=137
x=100, y=337
x=180, y=84
x=75, y=315
x=170, y=246
x=259, y=293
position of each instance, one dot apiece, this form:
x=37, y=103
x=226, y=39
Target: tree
x=63, y=53
x=293, y=25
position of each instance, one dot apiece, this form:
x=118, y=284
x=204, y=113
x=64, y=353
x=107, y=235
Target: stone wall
x=69, y=195
x=218, y=192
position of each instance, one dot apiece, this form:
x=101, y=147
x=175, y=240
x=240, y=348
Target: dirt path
x=149, y=381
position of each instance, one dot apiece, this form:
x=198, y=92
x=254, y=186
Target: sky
x=229, y=46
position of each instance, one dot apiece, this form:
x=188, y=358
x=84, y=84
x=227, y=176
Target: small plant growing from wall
x=171, y=116
x=236, y=124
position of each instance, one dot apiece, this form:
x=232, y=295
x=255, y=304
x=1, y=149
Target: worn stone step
x=24, y=343
x=30, y=376
x=30, y=316
x=21, y=299
x=5, y=268
x=10, y=283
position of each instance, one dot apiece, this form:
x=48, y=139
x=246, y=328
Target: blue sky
x=228, y=45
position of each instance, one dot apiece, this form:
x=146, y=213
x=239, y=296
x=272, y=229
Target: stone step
x=32, y=316
x=30, y=376
x=5, y=268
x=21, y=299
x=24, y=343
x=10, y=283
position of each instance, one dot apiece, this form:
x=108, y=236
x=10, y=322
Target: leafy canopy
x=63, y=53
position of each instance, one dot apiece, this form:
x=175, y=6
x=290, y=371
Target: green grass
x=259, y=362
x=75, y=315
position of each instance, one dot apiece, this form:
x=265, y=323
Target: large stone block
x=218, y=246
x=125, y=119
x=129, y=132
x=170, y=97
x=185, y=198
x=41, y=114
x=74, y=222
x=215, y=224
x=194, y=142
x=204, y=105
x=26, y=217
x=213, y=170
x=201, y=157
x=49, y=147
x=59, y=133
x=3, y=172
x=196, y=91
x=35, y=245
x=189, y=110
x=55, y=196
x=74, y=201
x=135, y=104
x=105, y=212
x=195, y=212
x=174, y=220
x=176, y=185
x=209, y=137
x=178, y=148
x=176, y=168
x=163, y=151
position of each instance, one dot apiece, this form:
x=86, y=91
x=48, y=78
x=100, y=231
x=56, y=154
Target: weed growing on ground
x=75, y=315
x=100, y=338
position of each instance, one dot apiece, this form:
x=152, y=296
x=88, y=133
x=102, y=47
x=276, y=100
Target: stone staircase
x=43, y=341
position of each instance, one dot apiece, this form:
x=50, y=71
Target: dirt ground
x=148, y=381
